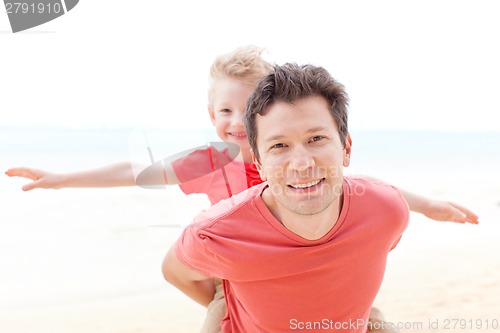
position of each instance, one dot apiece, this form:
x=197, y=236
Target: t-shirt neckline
x=279, y=227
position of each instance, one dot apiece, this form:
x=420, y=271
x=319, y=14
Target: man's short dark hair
x=290, y=82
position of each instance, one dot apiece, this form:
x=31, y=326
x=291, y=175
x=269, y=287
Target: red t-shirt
x=276, y=281
x=215, y=173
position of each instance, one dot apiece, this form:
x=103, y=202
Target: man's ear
x=258, y=166
x=211, y=114
x=347, y=150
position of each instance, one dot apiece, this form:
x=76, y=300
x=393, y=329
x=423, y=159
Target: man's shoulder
x=240, y=204
x=363, y=185
x=377, y=199
x=376, y=192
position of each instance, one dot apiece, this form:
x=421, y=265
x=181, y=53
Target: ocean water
x=441, y=153
x=393, y=151
x=76, y=245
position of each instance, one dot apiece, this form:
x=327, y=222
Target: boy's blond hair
x=244, y=64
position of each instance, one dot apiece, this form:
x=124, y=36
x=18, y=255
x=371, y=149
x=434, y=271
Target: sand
x=89, y=261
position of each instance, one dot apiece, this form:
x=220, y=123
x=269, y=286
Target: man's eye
x=317, y=138
x=277, y=146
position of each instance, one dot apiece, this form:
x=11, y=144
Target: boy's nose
x=237, y=119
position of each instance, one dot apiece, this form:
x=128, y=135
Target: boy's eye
x=225, y=111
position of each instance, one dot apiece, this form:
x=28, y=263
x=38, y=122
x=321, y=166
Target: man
x=305, y=250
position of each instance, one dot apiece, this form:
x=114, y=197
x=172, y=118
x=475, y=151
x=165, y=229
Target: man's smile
x=311, y=185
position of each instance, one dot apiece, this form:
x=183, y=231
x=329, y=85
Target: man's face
x=301, y=155
x=228, y=107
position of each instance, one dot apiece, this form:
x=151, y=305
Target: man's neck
x=310, y=227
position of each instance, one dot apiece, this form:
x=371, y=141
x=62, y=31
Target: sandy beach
x=439, y=272
x=80, y=263
x=88, y=260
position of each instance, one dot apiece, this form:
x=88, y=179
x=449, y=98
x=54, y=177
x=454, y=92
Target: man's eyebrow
x=278, y=137
x=274, y=138
x=316, y=129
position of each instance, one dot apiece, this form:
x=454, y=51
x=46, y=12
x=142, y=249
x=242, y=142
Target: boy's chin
x=244, y=148
x=243, y=144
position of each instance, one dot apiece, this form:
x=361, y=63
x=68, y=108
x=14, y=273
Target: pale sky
x=405, y=64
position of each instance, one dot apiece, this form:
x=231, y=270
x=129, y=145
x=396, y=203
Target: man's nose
x=301, y=159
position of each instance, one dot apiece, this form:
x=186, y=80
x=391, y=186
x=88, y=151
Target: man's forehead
x=279, y=123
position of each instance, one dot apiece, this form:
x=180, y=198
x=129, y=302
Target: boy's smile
x=226, y=112
x=237, y=135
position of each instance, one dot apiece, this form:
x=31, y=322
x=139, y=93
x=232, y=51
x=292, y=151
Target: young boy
x=233, y=79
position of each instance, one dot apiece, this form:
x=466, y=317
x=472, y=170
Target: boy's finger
x=459, y=216
x=470, y=217
x=11, y=172
x=16, y=172
x=30, y=186
x=22, y=172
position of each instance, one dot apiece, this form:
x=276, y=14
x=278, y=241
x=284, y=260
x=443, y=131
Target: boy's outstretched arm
x=438, y=210
x=118, y=174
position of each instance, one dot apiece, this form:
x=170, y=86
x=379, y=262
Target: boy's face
x=228, y=107
x=301, y=155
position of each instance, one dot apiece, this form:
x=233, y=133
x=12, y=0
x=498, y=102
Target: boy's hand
x=40, y=178
x=449, y=211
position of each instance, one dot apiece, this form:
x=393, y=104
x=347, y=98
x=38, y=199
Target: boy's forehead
x=226, y=82
x=229, y=83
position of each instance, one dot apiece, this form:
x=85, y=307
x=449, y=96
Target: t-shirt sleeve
x=198, y=185
x=401, y=215
x=194, y=171
x=387, y=202
x=193, y=250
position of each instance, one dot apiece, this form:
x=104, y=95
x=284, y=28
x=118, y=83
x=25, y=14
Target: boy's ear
x=258, y=166
x=347, y=150
x=211, y=114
